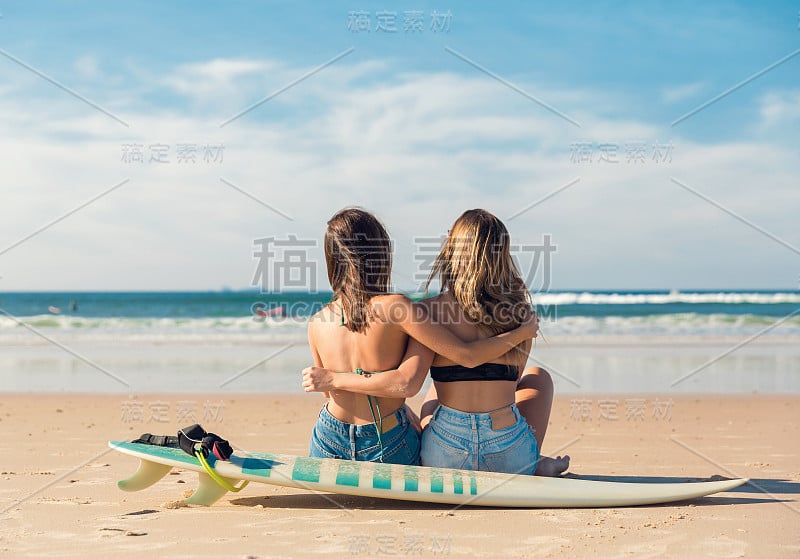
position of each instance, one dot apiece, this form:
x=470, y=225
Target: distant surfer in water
x=261, y=312
x=367, y=337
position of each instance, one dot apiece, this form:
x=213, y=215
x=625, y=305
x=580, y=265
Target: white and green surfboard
x=407, y=483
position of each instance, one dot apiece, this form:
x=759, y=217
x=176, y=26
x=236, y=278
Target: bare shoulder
x=391, y=307
x=384, y=303
x=432, y=304
x=325, y=314
x=392, y=298
x=445, y=305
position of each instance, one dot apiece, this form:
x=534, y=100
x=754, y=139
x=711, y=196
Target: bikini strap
x=374, y=407
x=500, y=408
x=377, y=421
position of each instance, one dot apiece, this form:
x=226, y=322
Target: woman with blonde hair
x=490, y=417
x=377, y=337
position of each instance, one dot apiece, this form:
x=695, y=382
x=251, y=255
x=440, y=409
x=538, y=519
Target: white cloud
x=214, y=78
x=224, y=69
x=87, y=67
x=682, y=92
x=416, y=149
x=778, y=107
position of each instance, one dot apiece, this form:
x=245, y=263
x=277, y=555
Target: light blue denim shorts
x=462, y=440
x=332, y=438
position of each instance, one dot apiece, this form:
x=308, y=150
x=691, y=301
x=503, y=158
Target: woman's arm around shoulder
x=403, y=382
x=415, y=320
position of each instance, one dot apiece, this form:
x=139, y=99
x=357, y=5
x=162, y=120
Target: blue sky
x=404, y=126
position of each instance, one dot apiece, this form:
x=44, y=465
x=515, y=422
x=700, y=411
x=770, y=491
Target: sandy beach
x=59, y=497
x=198, y=201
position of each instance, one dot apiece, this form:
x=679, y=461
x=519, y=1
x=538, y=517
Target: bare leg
x=429, y=406
x=534, y=399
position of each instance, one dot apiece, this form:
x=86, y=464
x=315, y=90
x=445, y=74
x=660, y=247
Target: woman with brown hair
x=365, y=330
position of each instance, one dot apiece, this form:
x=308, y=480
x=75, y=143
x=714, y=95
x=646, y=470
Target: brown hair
x=476, y=267
x=358, y=253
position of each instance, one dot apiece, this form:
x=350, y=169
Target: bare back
x=472, y=396
x=381, y=347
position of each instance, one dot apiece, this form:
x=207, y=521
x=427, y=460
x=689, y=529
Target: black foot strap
x=191, y=438
x=158, y=440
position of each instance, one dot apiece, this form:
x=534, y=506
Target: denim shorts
x=462, y=440
x=332, y=438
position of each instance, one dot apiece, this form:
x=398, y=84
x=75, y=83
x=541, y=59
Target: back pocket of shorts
x=519, y=458
x=437, y=453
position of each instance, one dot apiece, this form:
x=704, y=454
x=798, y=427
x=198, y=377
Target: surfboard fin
x=208, y=492
x=147, y=474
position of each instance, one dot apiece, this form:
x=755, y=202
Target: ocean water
x=214, y=314
x=199, y=341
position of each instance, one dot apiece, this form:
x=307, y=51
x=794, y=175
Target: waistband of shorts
x=467, y=418
x=369, y=429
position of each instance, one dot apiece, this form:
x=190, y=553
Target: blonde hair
x=476, y=267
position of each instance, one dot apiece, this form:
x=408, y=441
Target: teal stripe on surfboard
x=410, y=478
x=306, y=469
x=437, y=480
x=257, y=467
x=168, y=452
x=458, y=484
x=348, y=473
x=382, y=476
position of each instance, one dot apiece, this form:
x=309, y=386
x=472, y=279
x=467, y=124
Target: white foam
x=587, y=298
x=678, y=324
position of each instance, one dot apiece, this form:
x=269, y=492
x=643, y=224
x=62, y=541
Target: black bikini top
x=487, y=371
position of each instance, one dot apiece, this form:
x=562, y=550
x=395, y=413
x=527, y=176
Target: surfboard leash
x=196, y=441
x=374, y=407
x=221, y=481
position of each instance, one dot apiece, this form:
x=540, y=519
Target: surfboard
x=407, y=483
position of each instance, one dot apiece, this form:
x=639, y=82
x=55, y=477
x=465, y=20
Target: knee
x=536, y=378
